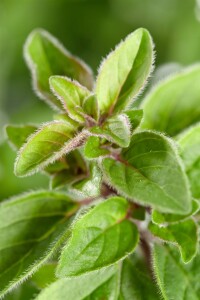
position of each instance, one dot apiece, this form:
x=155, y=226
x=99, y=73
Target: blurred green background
x=89, y=29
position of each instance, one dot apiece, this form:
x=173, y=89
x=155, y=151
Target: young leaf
x=124, y=72
x=175, y=279
x=45, y=57
x=89, y=187
x=90, y=107
x=93, y=148
x=50, y=142
x=17, y=135
x=184, y=234
x=61, y=179
x=159, y=218
x=135, y=117
x=189, y=143
x=71, y=94
x=173, y=105
x=149, y=172
x=100, y=238
x=115, y=129
x=32, y=227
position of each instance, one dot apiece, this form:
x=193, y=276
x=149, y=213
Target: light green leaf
x=184, y=234
x=89, y=187
x=124, y=72
x=150, y=173
x=126, y=281
x=45, y=275
x=17, y=135
x=159, y=218
x=116, y=129
x=100, y=238
x=96, y=285
x=45, y=57
x=135, y=117
x=93, y=148
x=52, y=141
x=71, y=94
x=90, y=107
x=32, y=227
x=189, y=143
x=175, y=279
x=173, y=105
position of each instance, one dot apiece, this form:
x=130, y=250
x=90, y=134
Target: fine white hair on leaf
x=33, y=68
x=68, y=146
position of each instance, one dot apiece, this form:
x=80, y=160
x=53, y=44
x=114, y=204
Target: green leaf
x=26, y=291
x=89, y=187
x=71, y=94
x=45, y=275
x=93, y=148
x=159, y=218
x=124, y=72
x=62, y=178
x=183, y=234
x=135, y=117
x=124, y=281
x=90, y=107
x=115, y=129
x=96, y=285
x=189, y=143
x=150, y=173
x=52, y=141
x=139, y=213
x=100, y=238
x=32, y=227
x=173, y=105
x=175, y=279
x=45, y=57
x=17, y=135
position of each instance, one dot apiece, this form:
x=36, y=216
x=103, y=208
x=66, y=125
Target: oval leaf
x=99, y=239
x=184, y=234
x=189, y=143
x=45, y=56
x=49, y=143
x=71, y=94
x=30, y=232
x=149, y=172
x=124, y=72
x=175, y=279
x=173, y=105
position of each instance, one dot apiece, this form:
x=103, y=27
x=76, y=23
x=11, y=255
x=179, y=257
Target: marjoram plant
x=120, y=219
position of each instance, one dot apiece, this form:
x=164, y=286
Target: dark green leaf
x=124, y=72
x=17, y=135
x=175, y=279
x=173, y=105
x=45, y=275
x=100, y=238
x=183, y=234
x=150, y=172
x=32, y=227
x=45, y=57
